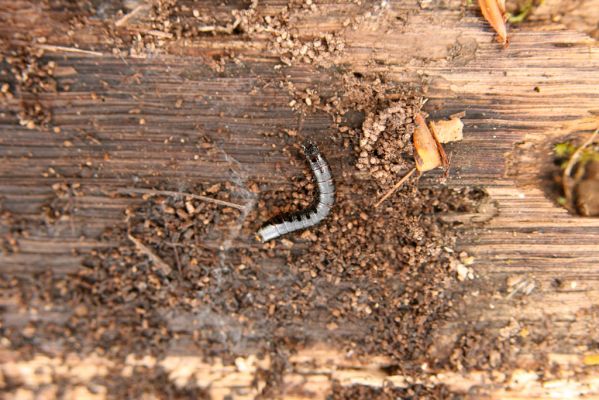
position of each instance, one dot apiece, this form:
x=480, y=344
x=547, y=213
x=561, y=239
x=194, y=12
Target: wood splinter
x=152, y=192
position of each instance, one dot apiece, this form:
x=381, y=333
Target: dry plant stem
x=171, y=193
x=220, y=29
x=159, y=34
x=566, y=178
x=125, y=18
x=394, y=188
x=142, y=248
x=50, y=47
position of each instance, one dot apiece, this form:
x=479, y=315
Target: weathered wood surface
x=509, y=129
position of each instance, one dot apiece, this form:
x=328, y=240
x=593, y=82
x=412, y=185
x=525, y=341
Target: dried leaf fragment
x=448, y=130
x=494, y=13
x=591, y=359
x=429, y=153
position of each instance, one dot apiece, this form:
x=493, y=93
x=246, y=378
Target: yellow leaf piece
x=448, y=130
x=591, y=359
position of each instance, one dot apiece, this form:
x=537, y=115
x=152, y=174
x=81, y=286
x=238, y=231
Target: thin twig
x=153, y=192
x=394, y=188
x=142, y=248
x=51, y=47
x=125, y=18
x=228, y=29
x=566, y=177
x=160, y=34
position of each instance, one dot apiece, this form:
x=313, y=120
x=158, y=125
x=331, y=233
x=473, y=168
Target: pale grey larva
x=314, y=214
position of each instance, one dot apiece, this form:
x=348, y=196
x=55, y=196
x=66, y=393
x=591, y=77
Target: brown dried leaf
x=429, y=153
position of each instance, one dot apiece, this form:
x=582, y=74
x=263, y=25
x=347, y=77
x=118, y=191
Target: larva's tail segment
x=267, y=233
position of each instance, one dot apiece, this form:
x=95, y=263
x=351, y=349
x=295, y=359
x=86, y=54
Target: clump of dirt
x=386, y=139
x=175, y=250
x=375, y=281
x=33, y=114
x=30, y=76
x=293, y=47
x=379, y=279
x=147, y=382
x=377, y=117
x=11, y=229
x=31, y=73
x=167, y=20
x=479, y=350
x=62, y=204
x=168, y=224
x=390, y=393
x=319, y=48
x=139, y=383
x=184, y=21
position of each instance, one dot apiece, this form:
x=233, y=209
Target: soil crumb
x=30, y=74
x=371, y=281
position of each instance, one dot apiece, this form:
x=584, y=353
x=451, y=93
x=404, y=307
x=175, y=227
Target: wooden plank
x=143, y=118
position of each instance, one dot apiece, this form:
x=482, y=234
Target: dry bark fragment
x=448, y=130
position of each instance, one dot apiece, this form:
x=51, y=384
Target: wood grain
x=518, y=102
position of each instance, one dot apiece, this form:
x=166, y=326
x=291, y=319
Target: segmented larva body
x=318, y=211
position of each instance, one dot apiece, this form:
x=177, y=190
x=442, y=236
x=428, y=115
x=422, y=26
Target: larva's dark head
x=310, y=148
